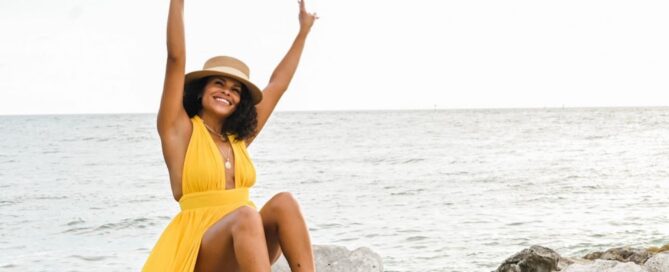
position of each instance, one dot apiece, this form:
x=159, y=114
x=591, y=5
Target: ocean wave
x=90, y=258
x=416, y=238
x=128, y=223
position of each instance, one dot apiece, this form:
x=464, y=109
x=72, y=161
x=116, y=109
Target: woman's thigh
x=217, y=250
x=280, y=205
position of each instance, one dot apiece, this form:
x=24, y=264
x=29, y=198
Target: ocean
x=434, y=190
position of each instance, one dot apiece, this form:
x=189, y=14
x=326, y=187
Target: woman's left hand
x=306, y=18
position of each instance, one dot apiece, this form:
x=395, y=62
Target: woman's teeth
x=223, y=100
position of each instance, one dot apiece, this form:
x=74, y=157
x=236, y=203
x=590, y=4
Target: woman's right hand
x=307, y=19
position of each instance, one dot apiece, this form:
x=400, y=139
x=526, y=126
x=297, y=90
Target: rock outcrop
x=339, y=259
x=605, y=266
x=658, y=263
x=622, y=259
x=622, y=254
x=664, y=248
x=533, y=259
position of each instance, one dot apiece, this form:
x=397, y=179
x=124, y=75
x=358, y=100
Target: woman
x=206, y=120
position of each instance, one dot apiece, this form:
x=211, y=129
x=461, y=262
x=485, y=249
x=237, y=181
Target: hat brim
x=254, y=91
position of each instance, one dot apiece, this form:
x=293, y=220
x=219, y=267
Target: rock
x=339, y=259
x=622, y=259
x=658, y=263
x=533, y=259
x=659, y=249
x=605, y=266
x=622, y=254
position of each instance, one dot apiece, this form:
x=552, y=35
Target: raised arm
x=283, y=73
x=172, y=117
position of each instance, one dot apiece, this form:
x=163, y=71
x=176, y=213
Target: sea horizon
x=371, y=110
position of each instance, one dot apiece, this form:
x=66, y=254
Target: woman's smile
x=222, y=100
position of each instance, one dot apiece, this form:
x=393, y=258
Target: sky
x=104, y=56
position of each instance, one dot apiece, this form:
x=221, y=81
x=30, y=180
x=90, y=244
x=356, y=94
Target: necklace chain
x=217, y=134
x=228, y=165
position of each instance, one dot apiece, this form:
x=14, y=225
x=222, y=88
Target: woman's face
x=221, y=95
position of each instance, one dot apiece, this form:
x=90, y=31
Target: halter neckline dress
x=205, y=199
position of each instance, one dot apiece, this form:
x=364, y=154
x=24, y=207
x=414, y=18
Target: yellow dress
x=204, y=200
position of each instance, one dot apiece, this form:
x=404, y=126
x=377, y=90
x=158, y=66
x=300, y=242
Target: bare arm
x=172, y=117
x=174, y=127
x=283, y=73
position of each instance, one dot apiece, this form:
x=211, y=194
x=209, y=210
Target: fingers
x=303, y=10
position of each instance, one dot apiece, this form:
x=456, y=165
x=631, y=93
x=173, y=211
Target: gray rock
x=622, y=254
x=339, y=259
x=533, y=259
x=658, y=263
x=605, y=266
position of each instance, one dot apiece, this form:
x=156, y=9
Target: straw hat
x=229, y=67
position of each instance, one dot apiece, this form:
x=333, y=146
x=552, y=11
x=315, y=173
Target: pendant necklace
x=227, y=164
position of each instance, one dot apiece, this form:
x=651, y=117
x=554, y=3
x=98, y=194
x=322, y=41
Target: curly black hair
x=242, y=123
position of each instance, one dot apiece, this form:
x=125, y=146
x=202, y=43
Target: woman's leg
x=234, y=243
x=286, y=231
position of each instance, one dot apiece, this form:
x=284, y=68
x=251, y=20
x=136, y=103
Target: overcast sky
x=104, y=56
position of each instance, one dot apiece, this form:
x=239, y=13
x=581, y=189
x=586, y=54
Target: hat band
x=228, y=70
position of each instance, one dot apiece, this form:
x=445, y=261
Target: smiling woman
x=207, y=118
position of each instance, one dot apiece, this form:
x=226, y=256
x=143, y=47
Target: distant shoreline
x=482, y=109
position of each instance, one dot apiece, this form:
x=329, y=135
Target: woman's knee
x=284, y=202
x=247, y=219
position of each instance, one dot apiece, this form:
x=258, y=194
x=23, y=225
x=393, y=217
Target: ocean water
x=451, y=190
